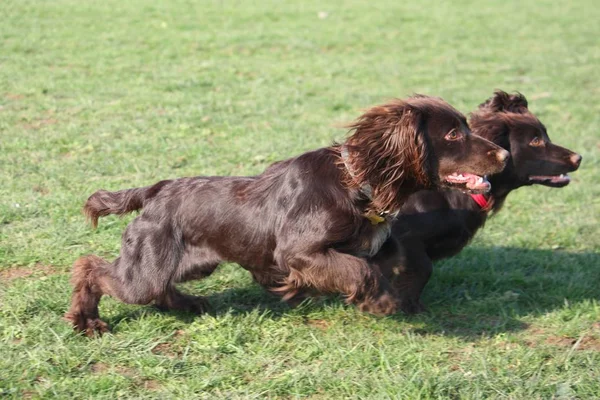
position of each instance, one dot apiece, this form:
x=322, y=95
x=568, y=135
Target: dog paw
x=385, y=304
x=89, y=325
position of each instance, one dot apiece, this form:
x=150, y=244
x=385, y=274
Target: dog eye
x=453, y=135
x=536, y=142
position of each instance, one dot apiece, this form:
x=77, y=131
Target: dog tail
x=121, y=202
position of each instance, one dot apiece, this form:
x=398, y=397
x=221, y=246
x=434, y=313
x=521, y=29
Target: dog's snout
x=575, y=159
x=502, y=155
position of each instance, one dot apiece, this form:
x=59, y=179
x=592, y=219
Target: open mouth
x=551, y=180
x=469, y=182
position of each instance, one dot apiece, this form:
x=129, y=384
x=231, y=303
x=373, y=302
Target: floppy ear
x=408, y=141
x=505, y=102
x=389, y=151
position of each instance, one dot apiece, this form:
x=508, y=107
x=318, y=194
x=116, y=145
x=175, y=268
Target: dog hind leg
x=142, y=273
x=90, y=280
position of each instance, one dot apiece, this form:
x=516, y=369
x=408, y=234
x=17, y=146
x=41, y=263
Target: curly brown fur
x=389, y=152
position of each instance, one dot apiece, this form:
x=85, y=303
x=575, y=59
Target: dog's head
x=422, y=142
x=506, y=120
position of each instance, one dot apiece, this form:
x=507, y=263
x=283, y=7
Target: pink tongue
x=473, y=182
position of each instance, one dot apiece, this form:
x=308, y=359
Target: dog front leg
x=330, y=271
x=408, y=267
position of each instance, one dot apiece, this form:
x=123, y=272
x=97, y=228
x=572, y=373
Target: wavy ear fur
x=491, y=120
x=388, y=149
x=502, y=101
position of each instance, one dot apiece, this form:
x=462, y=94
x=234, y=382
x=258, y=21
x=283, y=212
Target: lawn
x=118, y=94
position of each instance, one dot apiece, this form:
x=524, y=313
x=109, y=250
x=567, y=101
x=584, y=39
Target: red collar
x=481, y=200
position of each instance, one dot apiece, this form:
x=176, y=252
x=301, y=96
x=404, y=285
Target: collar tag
x=375, y=218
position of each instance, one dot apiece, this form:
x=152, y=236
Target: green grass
x=118, y=94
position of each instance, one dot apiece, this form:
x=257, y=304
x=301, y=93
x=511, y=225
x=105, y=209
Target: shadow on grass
x=483, y=291
x=235, y=301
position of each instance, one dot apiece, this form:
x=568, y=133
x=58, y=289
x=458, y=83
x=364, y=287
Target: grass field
x=118, y=94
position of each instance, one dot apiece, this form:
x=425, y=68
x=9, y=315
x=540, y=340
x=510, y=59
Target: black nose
x=575, y=159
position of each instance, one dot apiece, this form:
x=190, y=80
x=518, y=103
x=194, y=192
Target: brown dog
x=438, y=224
x=307, y=224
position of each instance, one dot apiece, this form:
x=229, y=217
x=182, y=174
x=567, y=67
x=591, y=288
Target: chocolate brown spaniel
x=307, y=224
x=438, y=224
